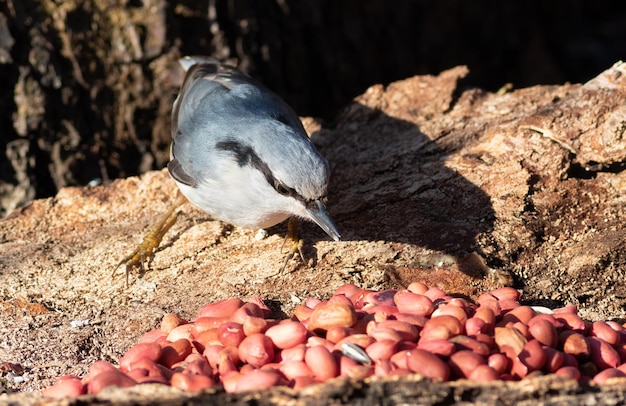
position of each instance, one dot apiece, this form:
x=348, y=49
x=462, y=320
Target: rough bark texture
x=390, y=391
x=424, y=175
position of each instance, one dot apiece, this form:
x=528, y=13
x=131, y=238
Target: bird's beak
x=320, y=216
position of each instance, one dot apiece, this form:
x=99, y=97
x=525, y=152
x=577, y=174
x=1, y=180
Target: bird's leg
x=151, y=241
x=295, y=241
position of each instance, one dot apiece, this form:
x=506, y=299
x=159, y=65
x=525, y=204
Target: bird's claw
x=145, y=250
x=137, y=258
x=295, y=241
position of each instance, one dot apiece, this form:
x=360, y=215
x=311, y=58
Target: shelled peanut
x=360, y=333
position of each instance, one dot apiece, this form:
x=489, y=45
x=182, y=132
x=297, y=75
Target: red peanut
x=401, y=358
x=171, y=321
x=532, y=355
x=417, y=287
x=451, y=310
x=175, y=352
x=153, y=369
x=202, y=324
x=485, y=314
x=338, y=333
x=330, y=315
x=347, y=290
x=544, y=332
x=302, y=312
x=463, y=363
x=507, y=305
x=407, y=332
x=360, y=371
x=521, y=313
x=315, y=341
x=109, y=378
x=417, y=321
x=604, y=332
x=573, y=309
x=247, y=310
x=383, y=297
x=382, y=333
x=440, y=347
x=222, y=308
x=257, y=379
x=381, y=350
x=64, y=388
x=138, y=351
x=267, y=312
x=412, y=303
x=602, y=354
x=230, y=334
x=98, y=367
x=574, y=343
x=321, y=362
x=607, y=374
x=467, y=343
x=571, y=321
x=294, y=369
x=345, y=364
x=555, y=359
x=198, y=366
x=484, y=373
x=287, y=334
x=509, y=337
x=295, y=353
x=506, y=293
x=257, y=350
x=152, y=336
x=362, y=340
x=474, y=325
x=253, y=325
x=489, y=301
x=428, y=365
x=380, y=311
x=499, y=362
x=434, y=294
x=442, y=327
x=569, y=372
x=191, y=382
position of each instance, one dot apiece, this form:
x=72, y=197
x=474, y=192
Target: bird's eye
x=282, y=189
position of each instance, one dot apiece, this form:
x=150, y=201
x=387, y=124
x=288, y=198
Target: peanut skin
x=428, y=365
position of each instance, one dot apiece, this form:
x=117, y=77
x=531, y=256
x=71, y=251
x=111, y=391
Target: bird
x=241, y=154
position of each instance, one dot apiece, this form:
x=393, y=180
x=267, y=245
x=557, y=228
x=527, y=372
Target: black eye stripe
x=245, y=155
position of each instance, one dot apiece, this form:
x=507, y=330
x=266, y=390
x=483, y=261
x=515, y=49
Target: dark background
x=86, y=86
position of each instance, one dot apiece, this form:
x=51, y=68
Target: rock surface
x=427, y=182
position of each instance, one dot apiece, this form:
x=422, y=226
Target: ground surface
x=426, y=180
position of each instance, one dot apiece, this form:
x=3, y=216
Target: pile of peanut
x=361, y=333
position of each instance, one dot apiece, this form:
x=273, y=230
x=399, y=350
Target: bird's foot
x=295, y=242
x=145, y=251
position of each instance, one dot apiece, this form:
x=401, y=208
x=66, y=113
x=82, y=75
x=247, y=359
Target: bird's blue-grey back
x=221, y=110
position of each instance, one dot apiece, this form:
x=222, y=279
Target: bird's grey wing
x=231, y=89
x=177, y=172
x=198, y=84
x=199, y=81
x=211, y=89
